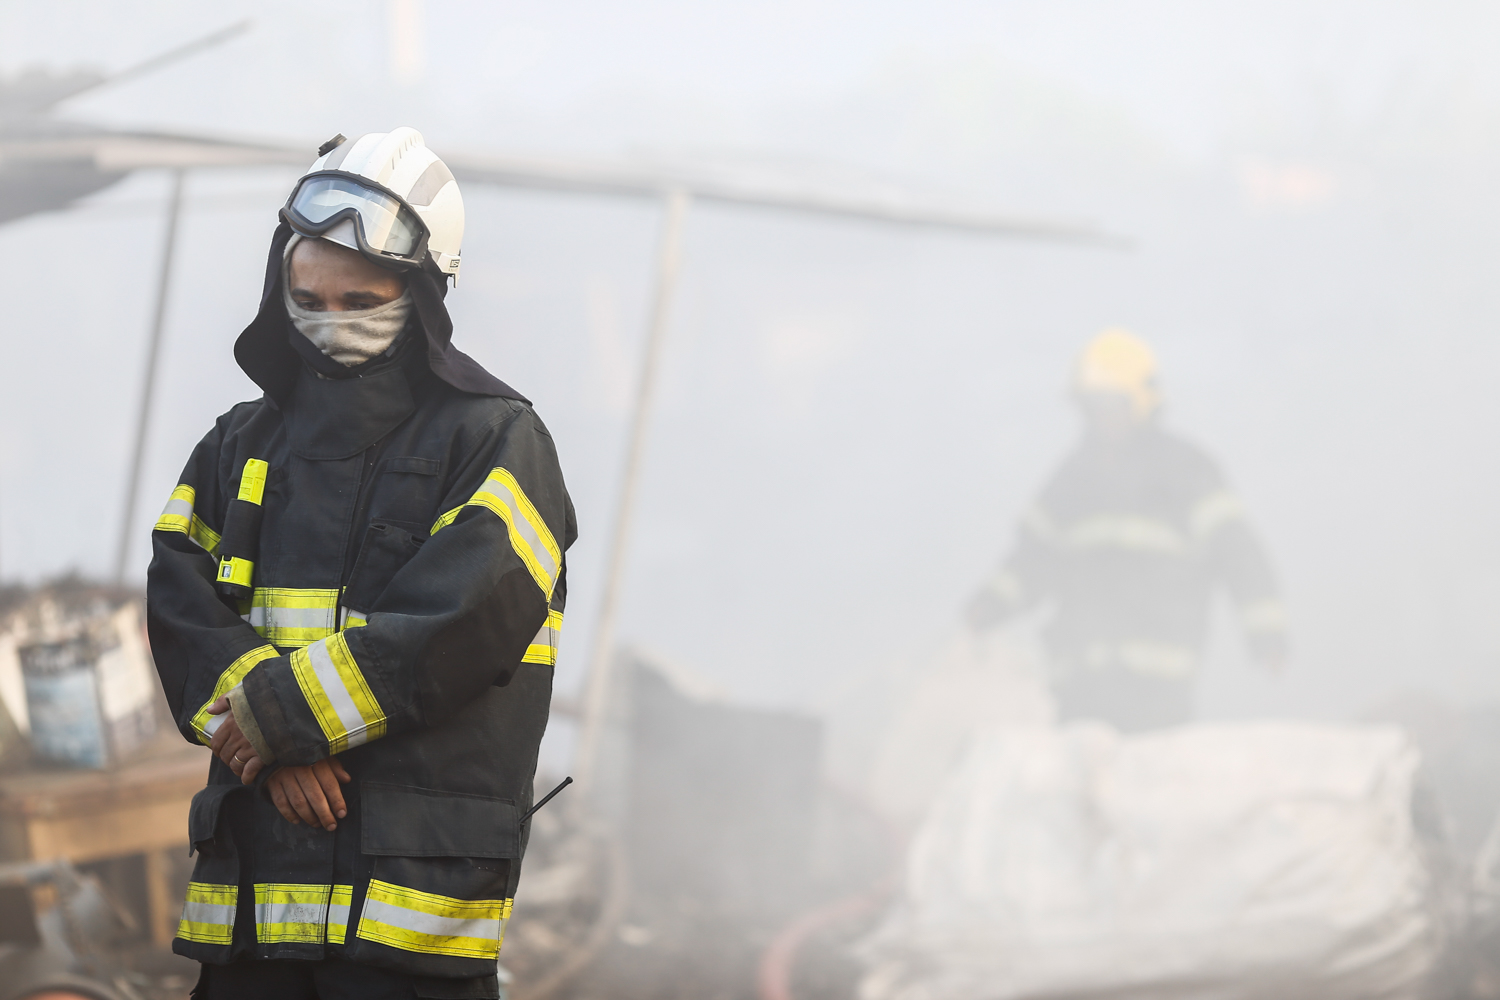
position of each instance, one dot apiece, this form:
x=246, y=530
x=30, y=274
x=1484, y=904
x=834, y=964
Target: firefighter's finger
x=298, y=799
x=279, y=799
x=316, y=800
x=323, y=771
x=234, y=745
x=219, y=707
x=252, y=767
x=226, y=731
x=338, y=769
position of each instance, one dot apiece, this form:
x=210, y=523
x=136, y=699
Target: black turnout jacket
x=1127, y=543
x=369, y=563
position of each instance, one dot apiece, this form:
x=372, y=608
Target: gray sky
x=852, y=418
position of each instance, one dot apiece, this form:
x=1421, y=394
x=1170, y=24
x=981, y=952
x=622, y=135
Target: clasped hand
x=302, y=794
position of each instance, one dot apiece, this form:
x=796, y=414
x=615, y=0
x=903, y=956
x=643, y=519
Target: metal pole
x=153, y=352
x=601, y=656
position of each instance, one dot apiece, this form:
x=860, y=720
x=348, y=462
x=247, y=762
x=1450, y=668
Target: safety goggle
x=386, y=227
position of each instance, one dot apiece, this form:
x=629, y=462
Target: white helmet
x=386, y=195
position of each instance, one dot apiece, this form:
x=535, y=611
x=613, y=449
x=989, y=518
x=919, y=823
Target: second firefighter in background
x=1127, y=544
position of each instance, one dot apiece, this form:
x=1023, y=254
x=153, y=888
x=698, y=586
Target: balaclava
x=351, y=337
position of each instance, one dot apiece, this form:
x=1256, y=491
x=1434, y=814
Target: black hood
x=267, y=356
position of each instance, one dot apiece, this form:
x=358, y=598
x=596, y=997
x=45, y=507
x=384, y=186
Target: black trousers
x=331, y=979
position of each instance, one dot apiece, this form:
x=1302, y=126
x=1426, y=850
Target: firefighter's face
x=326, y=277
x=1110, y=415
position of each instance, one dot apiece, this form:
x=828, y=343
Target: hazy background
x=852, y=417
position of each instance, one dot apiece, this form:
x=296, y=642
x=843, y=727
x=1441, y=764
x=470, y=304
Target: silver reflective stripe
x=336, y=693
x=291, y=913
x=282, y=618
x=484, y=928
x=178, y=508
x=220, y=914
x=214, y=722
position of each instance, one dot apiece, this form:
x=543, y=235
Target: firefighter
x=355, y=600
x=1126, y=545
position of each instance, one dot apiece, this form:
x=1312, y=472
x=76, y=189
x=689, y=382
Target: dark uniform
x=1127, y=544
x=369, y=562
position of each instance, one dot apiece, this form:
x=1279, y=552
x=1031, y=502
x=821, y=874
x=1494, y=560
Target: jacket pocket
x=403, y=821
x=207, y=928
x=388, y=546
x=407, y=490
x=439, y=892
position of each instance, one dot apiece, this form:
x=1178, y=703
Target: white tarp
x=1210, y=862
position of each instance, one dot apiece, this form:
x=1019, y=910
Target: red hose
x=774, y=977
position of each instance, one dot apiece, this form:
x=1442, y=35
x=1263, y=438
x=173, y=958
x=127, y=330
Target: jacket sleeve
x=1236, y=556
x=1024, y=578
x=201, y=646
x=482, y=594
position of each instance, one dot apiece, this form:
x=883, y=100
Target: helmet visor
x=386, y=226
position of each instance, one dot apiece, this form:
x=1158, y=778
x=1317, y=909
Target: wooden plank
x=162, y=903
x=109, y=833
x=88, y=815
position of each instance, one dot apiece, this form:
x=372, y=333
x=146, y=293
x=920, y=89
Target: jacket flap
x=420, y=466
x=203, y=814
x=410, y=822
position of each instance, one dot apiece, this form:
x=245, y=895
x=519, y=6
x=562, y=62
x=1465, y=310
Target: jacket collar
x=330, y=419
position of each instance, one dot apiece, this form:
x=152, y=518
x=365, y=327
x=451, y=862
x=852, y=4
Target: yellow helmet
x=1120, y=362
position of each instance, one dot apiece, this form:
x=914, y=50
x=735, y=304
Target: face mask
x=354, y=336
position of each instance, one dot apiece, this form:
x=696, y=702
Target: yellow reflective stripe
x=208, y=913
x=1213, y=512
x=253, y=481
x=1125, y=531
x=543, y=648
x=203, y=723
x=293, y=617
x=1154, y=659
x=233, y=569
x=434, y=925
x=338, y=912
x=446, y=519
x=203, y=536
x=290, y=913
x=529, y=534
x=178, y=511
x=352, y=619
x=337, y=693
x=178, y=516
